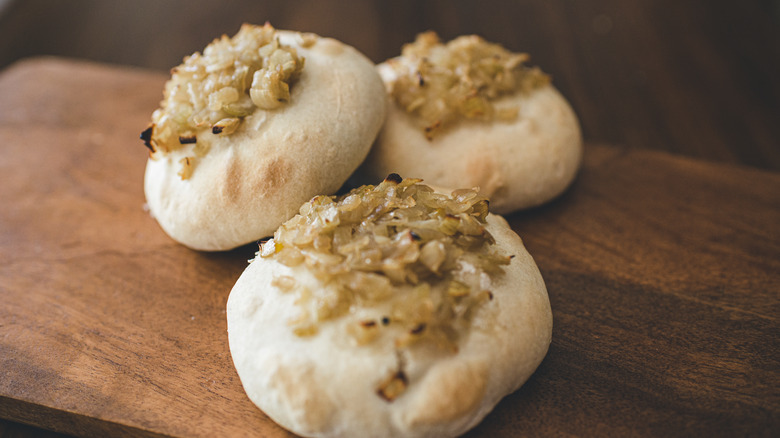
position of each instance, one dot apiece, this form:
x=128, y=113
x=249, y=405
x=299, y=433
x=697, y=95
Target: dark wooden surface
x=662, y=273
x=694, y=78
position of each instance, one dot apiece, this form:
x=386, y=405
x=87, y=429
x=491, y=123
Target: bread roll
x=331, y=339
x=259, y=135
x=470, y=114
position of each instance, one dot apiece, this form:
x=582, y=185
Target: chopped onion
x=230, y=80
x=443, y=83
x=425, y=255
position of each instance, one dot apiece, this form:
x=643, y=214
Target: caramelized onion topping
x=423, y=258
x=443, y=83
x=392, y=387
x=215, y=90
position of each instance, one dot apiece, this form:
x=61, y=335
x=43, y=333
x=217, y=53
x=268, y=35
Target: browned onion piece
x=401, y=243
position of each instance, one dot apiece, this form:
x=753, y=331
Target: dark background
x=698, y=78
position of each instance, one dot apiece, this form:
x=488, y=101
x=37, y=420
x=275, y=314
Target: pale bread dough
x=324, y=386
x=253, y=180
x=517, y=164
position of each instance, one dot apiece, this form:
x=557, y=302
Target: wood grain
x=98, y=303
x=662, y=272
x=663, y=275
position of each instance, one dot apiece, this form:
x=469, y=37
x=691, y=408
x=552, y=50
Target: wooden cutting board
x=662, y=273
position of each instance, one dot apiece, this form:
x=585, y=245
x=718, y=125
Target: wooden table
x=662, y=269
